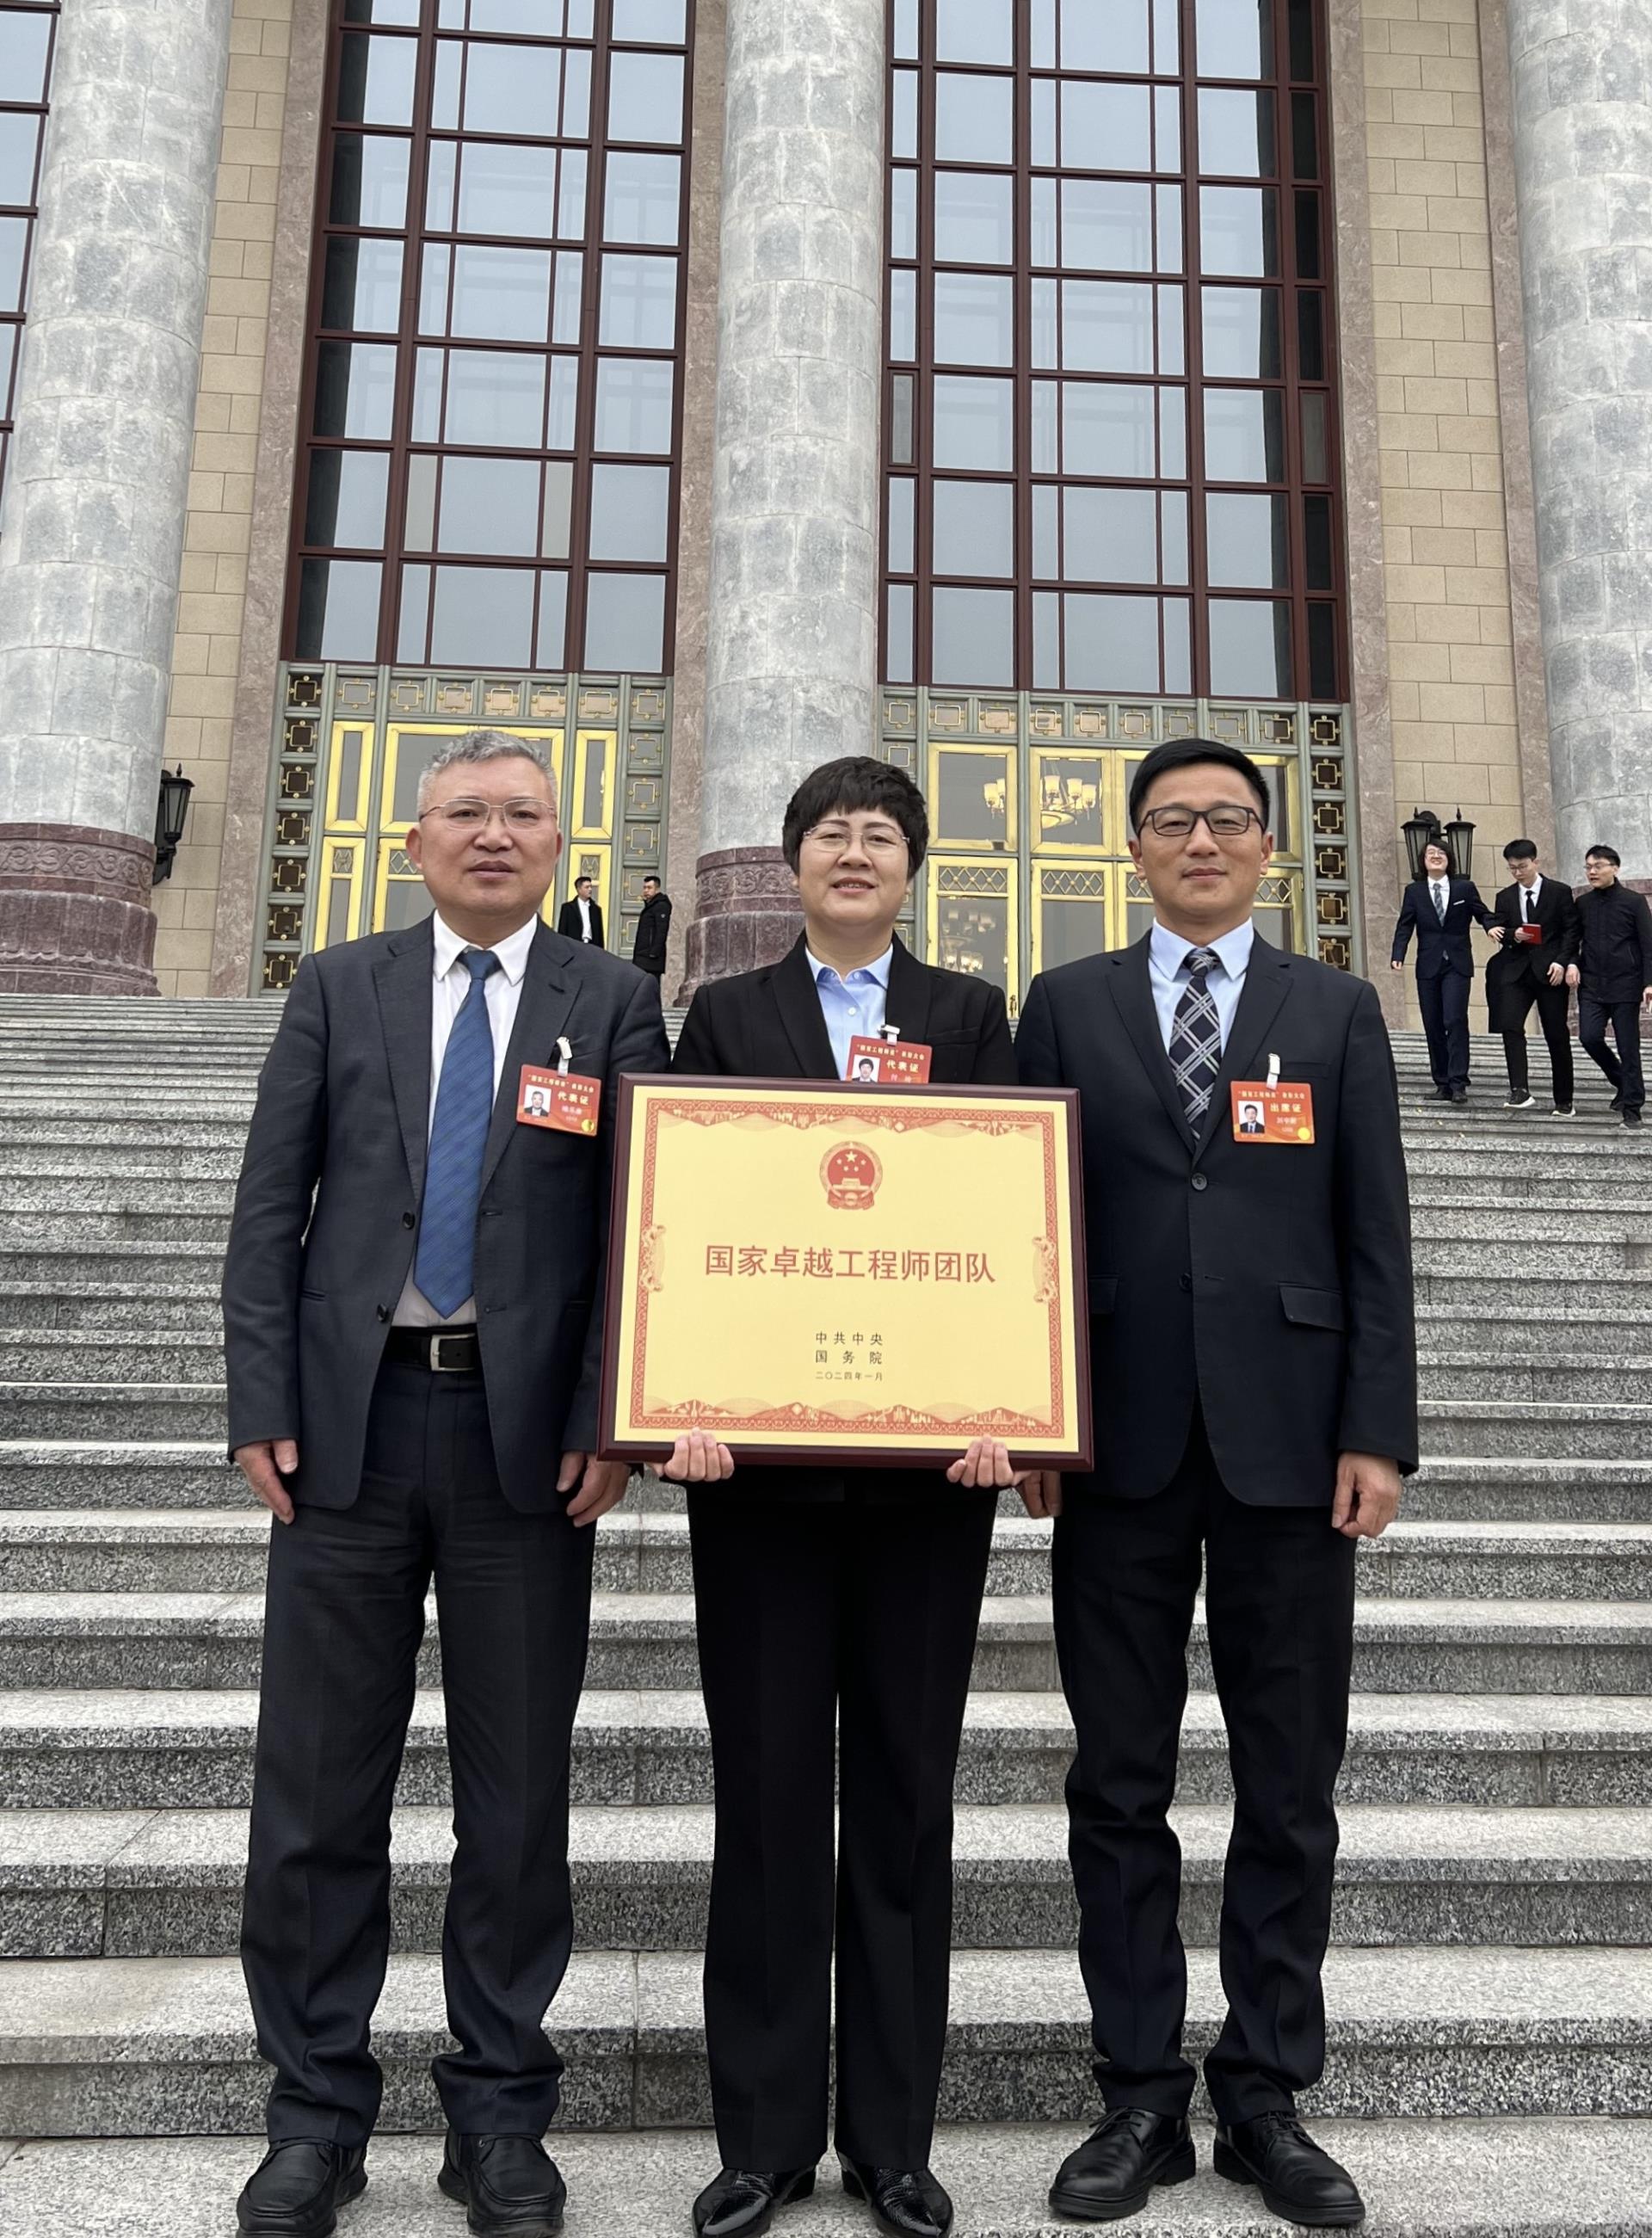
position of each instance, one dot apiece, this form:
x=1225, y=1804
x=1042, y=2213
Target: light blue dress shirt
x=1168, y=954
x=854, y=1005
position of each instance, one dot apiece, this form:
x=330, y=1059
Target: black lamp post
x=171, y=809
x=1422, y=829
x=1459, y=843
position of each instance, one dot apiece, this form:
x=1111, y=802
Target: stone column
x=792, y=643
x=93, y=532
x=1583, y=148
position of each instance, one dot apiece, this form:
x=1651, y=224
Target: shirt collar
x=513, y=951
x=878, y=969
x=1170, y=951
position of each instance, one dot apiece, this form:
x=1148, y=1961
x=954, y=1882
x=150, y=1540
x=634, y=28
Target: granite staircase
x=1490, y=1988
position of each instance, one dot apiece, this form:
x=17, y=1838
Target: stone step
x=134, y=1263
x=222, y=1551
x=135, y=1884
x=99, y=1641
x=187, y=1749
x=47, y=1474
x=104, y=2046
x=1546, y=1429
x=1533, y=2178
x=190, y=1308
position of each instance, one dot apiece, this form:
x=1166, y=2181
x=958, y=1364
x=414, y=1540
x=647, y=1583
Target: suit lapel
x=908, y=1006
x=1267, y=982
x=404, y=977
x=544, y=1009
x=1131, y=990
x=792, y=989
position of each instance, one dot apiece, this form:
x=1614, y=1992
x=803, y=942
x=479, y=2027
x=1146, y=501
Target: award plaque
x=814, y=1270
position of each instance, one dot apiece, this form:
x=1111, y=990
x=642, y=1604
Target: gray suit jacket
x=327, y=1209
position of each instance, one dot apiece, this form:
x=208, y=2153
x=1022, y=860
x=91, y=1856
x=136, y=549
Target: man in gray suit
x=412, y=1319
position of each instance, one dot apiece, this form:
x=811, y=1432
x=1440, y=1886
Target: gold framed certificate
x=816, y=1271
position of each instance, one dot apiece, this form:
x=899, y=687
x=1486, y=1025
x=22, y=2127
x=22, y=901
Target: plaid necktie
x=1196, y=1038
x=444, y=1265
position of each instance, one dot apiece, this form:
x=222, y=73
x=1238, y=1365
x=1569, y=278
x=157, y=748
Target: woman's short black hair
x=856, y=782
x=1184, y=753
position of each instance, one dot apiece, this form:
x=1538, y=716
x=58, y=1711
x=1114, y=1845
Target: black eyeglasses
x=1225, y=820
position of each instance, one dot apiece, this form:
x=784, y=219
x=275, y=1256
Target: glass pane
x=1244, y=435
x=1111, y=536
x=1045, y=428
x=1173, y=516
x=495, y=398
x=1107, y=326
x=1043, y=120
x=1107, y=430
x=1112, y=642
x=489, y=505
x=1069, y=929
x=903, y=315
x=1166, y=37
x=903, y=137
x=482, y=617
x=361, y=288
x=971, y=935
x=376, y=79
x=369, y=180
x=1316, y=537
x=1235, y=38
x=1322, y=652
x=1106, y=128
x=974, y=320
x=1316, y=450
x=645, y=98
x=975, y=218
x=902, y=414
x=973, y=638
x=629, y=506
x=624, y=622
x=8, y=359
x=575, y=95
x=338, y=609
x=569, y=295
x=1239, y=230
x=1304, y=137
x=506, y=190
x=974, y=118
x=1106, y=225
x=1311, y=335
x=1070, y=799
x=656, y=20
x=903, y=214
x=903, y=542
x=1172, y=434
x=441, y=182
x=427, y=396
x=1241, y=333
x=639, y=301
x=1250, y=648
x=1299, y=35
x=1166, y=129
x=514, y=88
x=1173, y=336
x=1247, y=544
x=543, y=15
x=972, y=791
x=571, y=195
x=1047, y=532
x=18, y=134
x=418, y=514
x=634, y=404
x=975, y=528
x=974, y=423
x=1178, y=653
x=444, y=90
x=347, y=498
x=1307, y=208
x=501, y=295
x=1046, y=234
x=1046, y=323
x=1105, y=38
x=24, y=39
x=1043, y=34
x=564, y=394
x=1167, y=201
x=556, y=519
x=354, y=388
x=975, y=31
x=641, y=197
x=905, y=42
x=553, y=621
x=1047, y=641
x=435, y=272
x=1236, y=134
x=897, y=659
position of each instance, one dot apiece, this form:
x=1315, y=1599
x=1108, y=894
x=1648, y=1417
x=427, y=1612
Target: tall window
x=26, y=35
x=489, y=477
x=1110, y=409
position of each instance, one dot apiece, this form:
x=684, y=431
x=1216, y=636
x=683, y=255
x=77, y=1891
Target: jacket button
x=1188, y=1281
x=407, y=1220
x=1201, y=1181
x=383, y=1313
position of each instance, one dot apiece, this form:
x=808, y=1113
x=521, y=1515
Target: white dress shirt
x=585, y=917
x=1529, y=901
x=1168, y=954
x=503, y=990
x=851, y=1006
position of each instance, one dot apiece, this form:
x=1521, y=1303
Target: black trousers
x=1623, y=1070
x=1279, y=1597
x=1444, y=1004
x=815, y=1617
x=1553, y=1009
x=344, y=1614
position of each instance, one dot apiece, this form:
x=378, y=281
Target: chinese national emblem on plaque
x=852, y=1176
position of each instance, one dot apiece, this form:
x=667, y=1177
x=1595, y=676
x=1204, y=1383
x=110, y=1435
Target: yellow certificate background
x=734, y=1168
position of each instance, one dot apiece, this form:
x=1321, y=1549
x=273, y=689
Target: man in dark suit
x=1536, y=930
x=1439, y=908
x=412, y=1328
x=835, y=1602
x=653, y=930
x=580, y=917
x=1253, y=1351
x=1613, y=974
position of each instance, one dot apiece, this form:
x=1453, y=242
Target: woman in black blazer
x=836, y=1604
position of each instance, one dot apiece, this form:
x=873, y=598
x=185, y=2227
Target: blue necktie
x=444, y=1268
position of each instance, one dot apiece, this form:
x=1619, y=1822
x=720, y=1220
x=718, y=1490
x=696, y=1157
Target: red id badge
x=1282, y=1113
x=877, y=1063
x=567, y=1102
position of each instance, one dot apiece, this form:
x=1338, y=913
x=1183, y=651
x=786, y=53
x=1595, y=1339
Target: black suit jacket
x=1524, y=963
x=325, y=1211
x=1271, y=1284
x=654, y=929
x=569, y=926
x=1440, y=949
x=1616, y=935
x=768, y=1025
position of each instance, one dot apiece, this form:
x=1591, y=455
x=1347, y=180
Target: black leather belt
x=443, y=1351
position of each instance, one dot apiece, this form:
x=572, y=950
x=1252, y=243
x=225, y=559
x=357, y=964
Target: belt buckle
x=439, y=1366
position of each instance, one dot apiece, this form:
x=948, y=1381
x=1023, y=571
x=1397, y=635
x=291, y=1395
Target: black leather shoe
x=740, y=2202
x=1616, y=1103
x=1631, y=1117
x=1118, y=2165
x=1298, y=2180
x=907, y=2202
x=510, y=2185
x=298, y=2188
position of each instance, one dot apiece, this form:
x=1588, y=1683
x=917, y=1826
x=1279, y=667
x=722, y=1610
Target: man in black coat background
x=1440, y=907
x=1535, y=923
x=1253, y=1351
x=580, y=916
x=653, y=930
x=1613, y=975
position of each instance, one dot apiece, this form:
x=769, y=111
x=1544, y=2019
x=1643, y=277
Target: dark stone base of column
x=746, y=914
x=74, y=915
